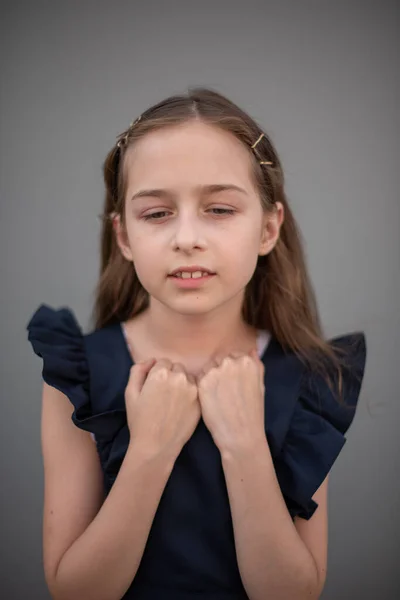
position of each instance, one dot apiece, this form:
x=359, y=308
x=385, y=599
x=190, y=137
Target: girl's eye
x=155, y=216
x=228, y=211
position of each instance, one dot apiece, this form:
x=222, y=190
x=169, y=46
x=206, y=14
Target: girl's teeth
x=194, y=275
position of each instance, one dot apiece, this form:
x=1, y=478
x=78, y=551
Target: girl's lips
x=190, y=283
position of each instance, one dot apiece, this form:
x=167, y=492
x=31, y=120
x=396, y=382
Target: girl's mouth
x=191, y=282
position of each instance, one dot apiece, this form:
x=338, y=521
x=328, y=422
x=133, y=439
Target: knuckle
x=161, y=374
x=245, y=359
x=179, y=377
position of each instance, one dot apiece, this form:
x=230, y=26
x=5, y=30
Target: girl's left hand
x=231, y=394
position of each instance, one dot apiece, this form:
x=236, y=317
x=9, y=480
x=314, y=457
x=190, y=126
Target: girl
x=216, y=407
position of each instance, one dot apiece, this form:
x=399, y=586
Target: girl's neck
x=162, y=332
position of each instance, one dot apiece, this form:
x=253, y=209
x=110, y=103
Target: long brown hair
x=279, y=297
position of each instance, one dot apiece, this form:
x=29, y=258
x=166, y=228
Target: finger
x=139, y=372
x=178, y=368
x=162, y=363
x=146, y=364
x=212, y=363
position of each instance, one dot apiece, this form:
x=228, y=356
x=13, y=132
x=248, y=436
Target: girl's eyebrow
x=202, y=189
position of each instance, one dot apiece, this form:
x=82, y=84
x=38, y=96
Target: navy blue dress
x=190, y=552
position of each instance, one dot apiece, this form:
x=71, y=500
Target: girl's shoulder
x=91, y=369
x=57, y=332
x=306, y=418
x=288, y=376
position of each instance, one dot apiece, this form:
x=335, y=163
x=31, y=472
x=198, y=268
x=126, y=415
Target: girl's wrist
x=244, y=449
x=144, y=451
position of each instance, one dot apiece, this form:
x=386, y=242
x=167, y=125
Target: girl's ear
x=122, y=238
x=272, y=223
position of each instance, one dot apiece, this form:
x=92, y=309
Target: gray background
x=321, y=78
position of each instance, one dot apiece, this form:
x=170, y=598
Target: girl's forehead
x=189, y=148
x=191, y=133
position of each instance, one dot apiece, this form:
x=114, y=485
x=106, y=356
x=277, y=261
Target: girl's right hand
x=162, y=405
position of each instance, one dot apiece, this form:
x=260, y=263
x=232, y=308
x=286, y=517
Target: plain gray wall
x=321, y=78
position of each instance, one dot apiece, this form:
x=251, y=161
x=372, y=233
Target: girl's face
x=190, y=201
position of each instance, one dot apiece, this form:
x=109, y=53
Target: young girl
x=216, y=407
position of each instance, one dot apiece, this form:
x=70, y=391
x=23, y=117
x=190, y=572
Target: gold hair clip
x=262, y=162
x=135, y=122
x=124, y=139
x=255, y=143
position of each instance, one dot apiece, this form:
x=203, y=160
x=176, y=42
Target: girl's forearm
x=102, y=562
x=273, y=560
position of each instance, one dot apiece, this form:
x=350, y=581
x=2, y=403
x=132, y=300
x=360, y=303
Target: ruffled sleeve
x=57, y=338
x=319, y=421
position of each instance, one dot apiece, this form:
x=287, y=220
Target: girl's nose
x=187, y=233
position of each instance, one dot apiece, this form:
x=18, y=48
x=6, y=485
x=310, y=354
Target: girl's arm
x=273, y=559
x=93, y=547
